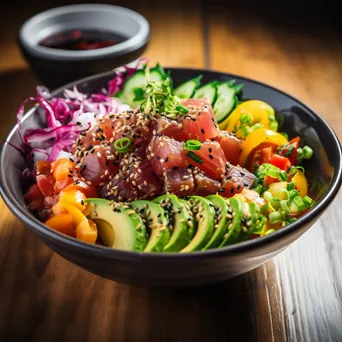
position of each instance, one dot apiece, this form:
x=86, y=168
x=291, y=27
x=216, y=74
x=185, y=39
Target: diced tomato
x=43, y=167
x=230, y=145
x=34, y=198
x=97, y=168
x=199, y=123
x=62, y=168
x=213, y=159
x=260, y=155
x=165, y=153
x=268, y=180
x=46, y=184
x=281, y=162
x=62, y=184
x=290, y=151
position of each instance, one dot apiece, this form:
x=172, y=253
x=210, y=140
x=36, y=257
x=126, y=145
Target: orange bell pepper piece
x=71, y=196
x=62, y=168
x=63, y=223
x=85, y=230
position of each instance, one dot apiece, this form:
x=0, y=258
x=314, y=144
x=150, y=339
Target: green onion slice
x=123, y=145
x=268, y=170
x=299, y=203
x=192, y=145
x=195, y=157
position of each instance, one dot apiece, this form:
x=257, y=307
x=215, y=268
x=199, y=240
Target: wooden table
x=295, y=297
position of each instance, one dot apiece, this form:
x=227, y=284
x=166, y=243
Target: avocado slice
x=178, y=216
x=221, y=221
x=192, y=223
x=251, y=215
x=118, y=225
x=156, y=220
x=204, y=214
x=235, y=213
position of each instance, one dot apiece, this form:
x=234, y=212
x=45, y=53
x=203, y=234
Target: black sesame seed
x=210, y=156
x=242, y=174
x=166, y=159
x=232, y=190
x=71, y=160
x=210, y=150
x=78, y=123
x=158, y=158
x=175, y=168
x=238, y=187
x=70, y=176
x=160, y=221
x=202, y=130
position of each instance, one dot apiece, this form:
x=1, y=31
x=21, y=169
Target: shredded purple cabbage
x=67, y=117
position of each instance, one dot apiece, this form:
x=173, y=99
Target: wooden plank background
x=295, y=297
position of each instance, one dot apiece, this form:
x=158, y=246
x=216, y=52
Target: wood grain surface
x=295, y=297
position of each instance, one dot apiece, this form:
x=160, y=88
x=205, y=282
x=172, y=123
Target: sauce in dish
x=81, y=40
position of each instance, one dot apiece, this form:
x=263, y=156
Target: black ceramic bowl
x=199, y=268
x=55, y=67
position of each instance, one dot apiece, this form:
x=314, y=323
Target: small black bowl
x=324, y=172
x=55, y=67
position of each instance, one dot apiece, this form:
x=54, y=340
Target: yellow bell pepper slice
x=257, y=112
x=300, y=183
x=85, y=230
x=257, y=137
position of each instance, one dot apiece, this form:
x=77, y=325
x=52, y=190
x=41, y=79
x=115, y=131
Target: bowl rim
x=109, y=253
x=128, y=45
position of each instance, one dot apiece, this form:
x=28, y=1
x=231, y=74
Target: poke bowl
x=169, y=177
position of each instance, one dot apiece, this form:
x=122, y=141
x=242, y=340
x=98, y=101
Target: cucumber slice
x=157, y=73
x=226, y=101
x=133, y=88
x=235, y=212
x=187, y=89
x=208, y=91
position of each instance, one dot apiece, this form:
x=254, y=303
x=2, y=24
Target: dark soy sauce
x=82, y=40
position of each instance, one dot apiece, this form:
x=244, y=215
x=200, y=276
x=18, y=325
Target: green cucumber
x=133, y=90
x=226, y=101
x=235, y=212
x=187, y=89
x=208, y=91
